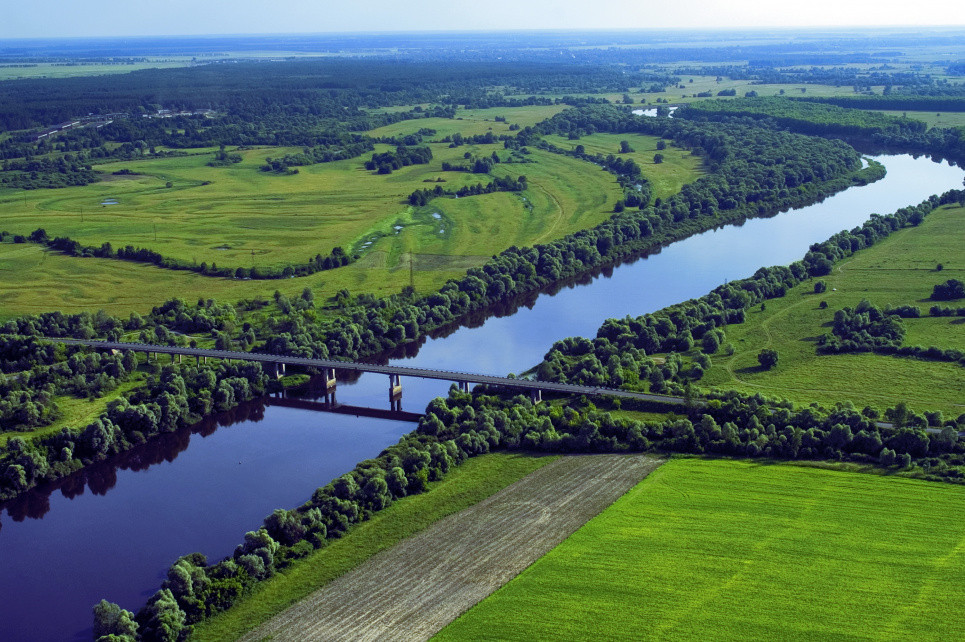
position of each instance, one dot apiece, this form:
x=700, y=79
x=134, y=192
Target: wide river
x=112, y=531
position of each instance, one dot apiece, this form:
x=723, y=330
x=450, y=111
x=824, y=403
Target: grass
x=898, y=271
x=32, y=281
x=719, y=549
x=677, y=169
x=75, y=412
x=470, y=122
x=931, y=118
x=466, y=485
x=246, y=217
x=55, y=70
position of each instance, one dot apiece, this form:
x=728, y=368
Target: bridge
x=395, y=373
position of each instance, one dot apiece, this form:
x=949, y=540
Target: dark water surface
x=111, y=532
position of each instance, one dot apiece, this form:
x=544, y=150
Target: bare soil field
x=413, y=590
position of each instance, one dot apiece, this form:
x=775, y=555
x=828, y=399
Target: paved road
x=403, y=371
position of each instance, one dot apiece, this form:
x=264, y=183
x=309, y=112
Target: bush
x=767, y=358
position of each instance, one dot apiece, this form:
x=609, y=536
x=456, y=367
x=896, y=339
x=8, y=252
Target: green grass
x=931, y=118
x=32, y=281
x=728, y=550
x=53, y=70
x=246, y=217
x=75, y=412
x=678, y=168
x=466, y=485
x=898, y=271
x=470, y=122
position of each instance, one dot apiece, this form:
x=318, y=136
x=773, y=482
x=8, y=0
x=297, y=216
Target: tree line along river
x=112, y=531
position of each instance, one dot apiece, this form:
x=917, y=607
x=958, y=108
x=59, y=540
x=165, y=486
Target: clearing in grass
x=721, y=549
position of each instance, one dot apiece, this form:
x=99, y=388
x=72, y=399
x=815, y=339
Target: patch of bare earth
x=414, y=589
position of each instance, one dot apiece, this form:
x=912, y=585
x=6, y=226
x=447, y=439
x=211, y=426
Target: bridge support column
x=276, y=371
x=395, y=403
x=395, y=385
x=330, y=397
x=464, y=386
x=329, y=374
x=198, y=358
x=282, y=369
x=536, y=396
x=179, y=358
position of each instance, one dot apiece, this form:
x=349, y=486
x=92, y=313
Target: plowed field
x=414, y=589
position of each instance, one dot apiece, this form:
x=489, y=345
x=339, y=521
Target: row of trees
x=804, y=117
x=465, y=425
x=403, y=156
x=336, y=258
x=169, y=399
x=746, y=154
x=421, y=197
x=702, y=322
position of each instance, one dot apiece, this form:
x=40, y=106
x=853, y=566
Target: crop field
x=468, y=484
x=898, y=271
x=417, y=587
x=728, y=550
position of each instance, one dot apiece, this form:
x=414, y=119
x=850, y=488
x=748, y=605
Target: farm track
x=413, y=590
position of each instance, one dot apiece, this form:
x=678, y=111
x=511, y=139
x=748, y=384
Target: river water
x=112, y=531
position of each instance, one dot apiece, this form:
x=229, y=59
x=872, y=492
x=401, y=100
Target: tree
x=657, y=159
x=625, y=147
x=767, y=358
x=110, y=619
x=949, y=290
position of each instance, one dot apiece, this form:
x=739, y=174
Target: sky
x=63, y=18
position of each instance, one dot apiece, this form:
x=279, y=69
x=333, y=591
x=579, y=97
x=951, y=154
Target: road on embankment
x=411, y=591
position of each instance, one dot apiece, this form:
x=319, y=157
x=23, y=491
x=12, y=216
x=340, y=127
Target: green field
x=931, y=118
x=465, y=485
x=55, y=70
x=897, y=271
x=470, y=122
x=678, y=168
x=738, y=550
x=244, y=217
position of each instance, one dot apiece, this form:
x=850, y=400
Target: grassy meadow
x=239, y=216
x=901, y=270
x=678, y=168
x=465, y=485
x=727, y=550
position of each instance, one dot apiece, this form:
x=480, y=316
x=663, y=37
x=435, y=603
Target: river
x=111, y=532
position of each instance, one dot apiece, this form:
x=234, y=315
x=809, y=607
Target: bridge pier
x=395, y=403
x=329, y=374
x=330, y=397
x=536, y=396
x=395, y=385
x=463, y=386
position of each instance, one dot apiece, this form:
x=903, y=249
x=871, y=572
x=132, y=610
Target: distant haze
x=60, y=18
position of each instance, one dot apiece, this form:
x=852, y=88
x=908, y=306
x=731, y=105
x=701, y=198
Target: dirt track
x=414, y=589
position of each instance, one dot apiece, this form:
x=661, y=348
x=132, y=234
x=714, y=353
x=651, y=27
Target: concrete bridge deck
x=394, y=372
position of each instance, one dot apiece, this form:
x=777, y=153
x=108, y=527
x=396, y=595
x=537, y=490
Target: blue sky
x=60, y=18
